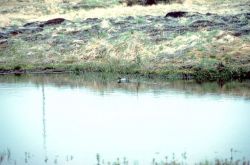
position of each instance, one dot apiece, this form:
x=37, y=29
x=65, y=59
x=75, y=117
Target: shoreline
x=198, y=74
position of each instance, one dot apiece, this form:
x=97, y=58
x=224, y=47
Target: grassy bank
x=136, y=40
x=128, y=54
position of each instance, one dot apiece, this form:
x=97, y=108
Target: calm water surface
x=68, y=119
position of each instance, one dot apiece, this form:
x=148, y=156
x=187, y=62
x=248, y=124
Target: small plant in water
x=2, y=155
x=8, y=154
x=46, y=159
x=184, y=157
x=98, y=159
x=173, y=162
x=26, y=157
x=56, y=159
x=125, y=161
x=117, y=162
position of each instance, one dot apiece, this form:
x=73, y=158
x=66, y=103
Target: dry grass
x=33, y=11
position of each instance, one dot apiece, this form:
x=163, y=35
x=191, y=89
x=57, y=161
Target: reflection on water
x=91, y=119
x=44, y=126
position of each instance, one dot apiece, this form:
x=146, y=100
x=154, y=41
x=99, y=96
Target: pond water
x=68, y=119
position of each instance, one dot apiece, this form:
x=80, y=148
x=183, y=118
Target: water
x=68, y=119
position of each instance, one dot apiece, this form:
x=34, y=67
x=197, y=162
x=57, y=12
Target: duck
x=123, y=80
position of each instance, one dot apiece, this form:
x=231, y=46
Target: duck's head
x=119, y=80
